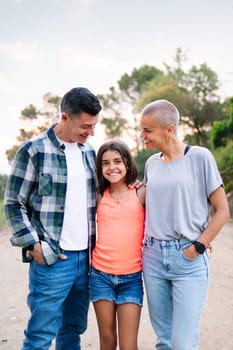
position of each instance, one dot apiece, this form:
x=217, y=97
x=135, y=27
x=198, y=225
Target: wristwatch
x=200, y=247
x=30, y=247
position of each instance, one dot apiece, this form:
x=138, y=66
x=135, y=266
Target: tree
x=113, y=122
x=140, y=161
x=35, y=121
x=120, y=104
x=194, y=92
x=223, y=130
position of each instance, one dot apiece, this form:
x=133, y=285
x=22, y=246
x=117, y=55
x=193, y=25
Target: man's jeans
x=59, y=301
x=176, y=287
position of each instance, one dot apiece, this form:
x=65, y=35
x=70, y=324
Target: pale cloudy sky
x=54, y=45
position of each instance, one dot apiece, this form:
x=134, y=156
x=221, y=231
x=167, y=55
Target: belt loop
x=177, y=242
x=148, y=241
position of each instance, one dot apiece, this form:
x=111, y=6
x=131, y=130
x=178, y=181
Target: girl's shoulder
x=100, y=196
x=98, y=199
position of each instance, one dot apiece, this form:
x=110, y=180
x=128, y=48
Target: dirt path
x=217, y=321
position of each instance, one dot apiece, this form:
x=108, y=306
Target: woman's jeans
x=176, y=287
x=59, y=301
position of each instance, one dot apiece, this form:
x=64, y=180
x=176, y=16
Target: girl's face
x=113, y=167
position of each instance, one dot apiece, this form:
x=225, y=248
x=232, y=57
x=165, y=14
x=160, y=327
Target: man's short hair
x=79, y=100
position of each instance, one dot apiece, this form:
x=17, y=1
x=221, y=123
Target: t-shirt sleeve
x=213, y=178
x=145, y=173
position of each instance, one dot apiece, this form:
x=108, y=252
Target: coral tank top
x=120, y=232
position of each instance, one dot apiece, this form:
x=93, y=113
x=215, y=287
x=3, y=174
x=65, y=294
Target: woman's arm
x=221, y=215
x=141, y=192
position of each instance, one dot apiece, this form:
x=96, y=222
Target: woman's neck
x=173, y=152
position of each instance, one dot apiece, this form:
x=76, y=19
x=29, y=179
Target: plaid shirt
x=36, y=190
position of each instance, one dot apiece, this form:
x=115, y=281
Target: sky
x=55, y=45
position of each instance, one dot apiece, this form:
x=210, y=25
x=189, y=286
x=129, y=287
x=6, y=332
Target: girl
x=116, y=277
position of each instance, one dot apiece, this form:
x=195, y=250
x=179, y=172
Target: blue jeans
x=59, y=302
x=176, y=287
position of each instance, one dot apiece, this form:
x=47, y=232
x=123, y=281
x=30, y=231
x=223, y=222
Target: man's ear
x=64, y=117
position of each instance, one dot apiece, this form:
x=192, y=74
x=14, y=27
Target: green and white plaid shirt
x=36, y=191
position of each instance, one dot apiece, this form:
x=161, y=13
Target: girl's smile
x=113, y=167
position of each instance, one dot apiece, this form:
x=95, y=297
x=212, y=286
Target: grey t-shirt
x=177, y=193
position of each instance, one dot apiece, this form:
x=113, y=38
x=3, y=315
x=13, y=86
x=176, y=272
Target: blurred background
x=128, y=52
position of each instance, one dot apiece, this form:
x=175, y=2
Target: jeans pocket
x=187, y=258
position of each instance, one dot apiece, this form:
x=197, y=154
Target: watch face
x=200, y=248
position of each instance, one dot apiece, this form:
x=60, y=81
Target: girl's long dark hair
x=124, y=151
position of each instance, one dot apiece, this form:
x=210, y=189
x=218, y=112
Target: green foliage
x=29, y=112
x=36, y=121
x=2, y=216
x=139, y=78
x=231, y=115
x=196, y=139
x=219, y=134
x=140, y=161
x=113, y=127
x=3, y=181
x=223, y=130
x=224, y=159
x=166, y=89
x=176, y=72
x=203, y=82
x=120, y=104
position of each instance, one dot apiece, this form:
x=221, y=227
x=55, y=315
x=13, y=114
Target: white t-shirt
x=74, y=234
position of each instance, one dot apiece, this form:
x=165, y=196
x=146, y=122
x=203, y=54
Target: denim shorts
x=117, y=288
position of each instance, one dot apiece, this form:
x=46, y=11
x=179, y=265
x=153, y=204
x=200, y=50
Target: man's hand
x=36, y=253
x=62, y=257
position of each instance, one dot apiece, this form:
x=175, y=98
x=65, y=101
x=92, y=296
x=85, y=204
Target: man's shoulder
x=89, y=147
x=36, y=143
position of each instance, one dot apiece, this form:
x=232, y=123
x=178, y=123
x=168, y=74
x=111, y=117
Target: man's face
x=77, y=128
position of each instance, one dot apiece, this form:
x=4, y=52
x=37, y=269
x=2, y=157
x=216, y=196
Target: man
x=50, y=208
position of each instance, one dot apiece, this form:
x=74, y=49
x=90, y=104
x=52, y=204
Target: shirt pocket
x=45, y=187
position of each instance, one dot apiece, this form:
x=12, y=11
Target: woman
x=182, y=183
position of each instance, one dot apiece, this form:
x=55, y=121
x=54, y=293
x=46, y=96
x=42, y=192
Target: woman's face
x=113, y=167
x=153, y=134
